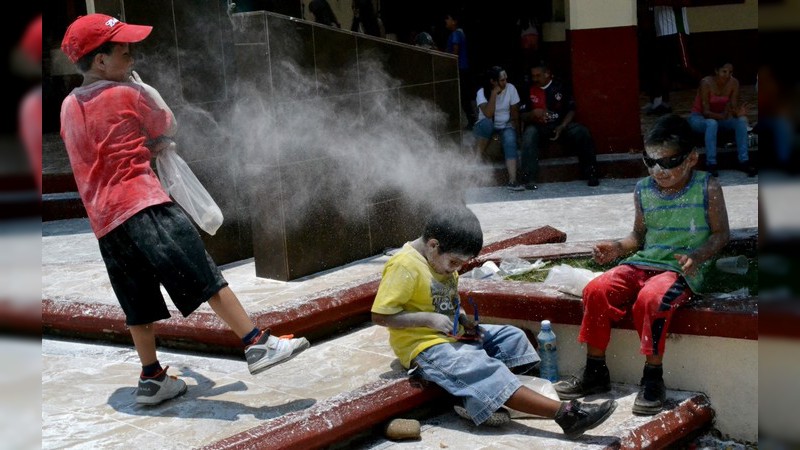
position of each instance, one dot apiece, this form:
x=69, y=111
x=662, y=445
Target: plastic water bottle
x=548, y=352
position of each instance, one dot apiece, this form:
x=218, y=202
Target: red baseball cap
x=87, y=33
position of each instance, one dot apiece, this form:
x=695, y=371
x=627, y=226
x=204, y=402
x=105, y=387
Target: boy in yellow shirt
x=418, y=300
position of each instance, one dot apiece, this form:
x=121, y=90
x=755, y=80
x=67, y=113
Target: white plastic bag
x=570, y=280
x=179, y=181
x=538, y=385
x=517, y=266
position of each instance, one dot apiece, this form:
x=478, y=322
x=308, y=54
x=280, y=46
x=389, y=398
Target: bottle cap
x=546, y=324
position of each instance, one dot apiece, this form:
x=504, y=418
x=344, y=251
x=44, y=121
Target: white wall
x=724, y=369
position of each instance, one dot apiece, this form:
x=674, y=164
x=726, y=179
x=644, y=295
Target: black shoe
x=652, y=393
x=712, y=169
x=516, y=187
x=531, y=186
x=650, y=399
x=575, y=418
x=591, y=382
x=748, y=168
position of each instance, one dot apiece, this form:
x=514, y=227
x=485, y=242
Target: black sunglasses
x=670, y=162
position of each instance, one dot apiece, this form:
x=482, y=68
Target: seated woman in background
x=717, y=106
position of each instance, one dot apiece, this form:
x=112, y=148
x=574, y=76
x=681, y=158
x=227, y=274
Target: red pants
x=653, y=294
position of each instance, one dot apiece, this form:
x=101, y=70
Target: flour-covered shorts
x=479, y=371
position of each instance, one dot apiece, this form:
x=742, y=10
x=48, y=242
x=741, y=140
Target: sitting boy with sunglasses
x=418, y=301
x=680, y=225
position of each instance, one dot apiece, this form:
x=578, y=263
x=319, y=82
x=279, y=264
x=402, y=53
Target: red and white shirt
x=105, y=126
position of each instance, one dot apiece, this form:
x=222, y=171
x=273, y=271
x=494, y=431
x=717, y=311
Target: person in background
x=365, y=20
x=552, y=120
x=111, y=125
x=457, y=45
x=498, y=114
x=323, y=13
x=679, y=227
x=418, y=302
x=27, y=60
x=669, y=55
x=716, y=106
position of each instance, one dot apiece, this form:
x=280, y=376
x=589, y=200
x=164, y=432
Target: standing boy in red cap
x=110, y=124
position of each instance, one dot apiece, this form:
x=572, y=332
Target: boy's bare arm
x=607, y=251
x=436, y=321
x=720, y=230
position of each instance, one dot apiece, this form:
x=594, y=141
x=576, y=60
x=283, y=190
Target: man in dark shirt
x=323, y=13
x=551, y=121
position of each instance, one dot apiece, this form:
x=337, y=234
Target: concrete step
x=350, y=385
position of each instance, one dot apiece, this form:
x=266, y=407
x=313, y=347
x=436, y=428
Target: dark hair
x=671, y=130
x=453, y=15
x=541, y=65
x=493, y=73
x=720, y=61
x=85, y=63
x=456, y=228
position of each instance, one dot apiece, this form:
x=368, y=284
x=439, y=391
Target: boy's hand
x=470, y=325
x=155, y=95
x=606, y=251
x=440, y=323
x=688, y=264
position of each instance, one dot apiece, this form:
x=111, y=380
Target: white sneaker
x=499, y=417
x=271, y=350
x=159, y=388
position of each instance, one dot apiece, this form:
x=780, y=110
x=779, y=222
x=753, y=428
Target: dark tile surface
x=253, y=74
x=444, y=68
x=291, y=47
x=389, y=224
x=404, y=64
x=325, y=225
x=447, y=100
x=335, y=59
x=249, y=28
x=267, y=222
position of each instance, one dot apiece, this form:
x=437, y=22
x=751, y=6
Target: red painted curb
x=669, y=426
x=309, y=316
x=335, y=419
x=533, y=301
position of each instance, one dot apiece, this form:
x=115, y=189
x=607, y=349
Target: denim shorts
x=479, y=371
x=158, y=245
x=484, y=129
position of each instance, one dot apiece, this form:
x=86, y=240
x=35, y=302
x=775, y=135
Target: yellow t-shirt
x=410, y=284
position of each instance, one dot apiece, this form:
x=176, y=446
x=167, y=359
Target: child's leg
x=532, y=402
x=227, y=306
x=573, y=417
x=604, y=300
x=465, y=370
x=508, y=344
x=144, y=339
x=661, y=295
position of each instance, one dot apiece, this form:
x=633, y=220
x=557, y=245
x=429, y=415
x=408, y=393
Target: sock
x=596, y=364
x=565, y=408
x=151, y=370
x=252, y=336
x=653, y=371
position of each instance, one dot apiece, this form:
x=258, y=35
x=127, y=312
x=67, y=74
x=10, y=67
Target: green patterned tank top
x=674, y=223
